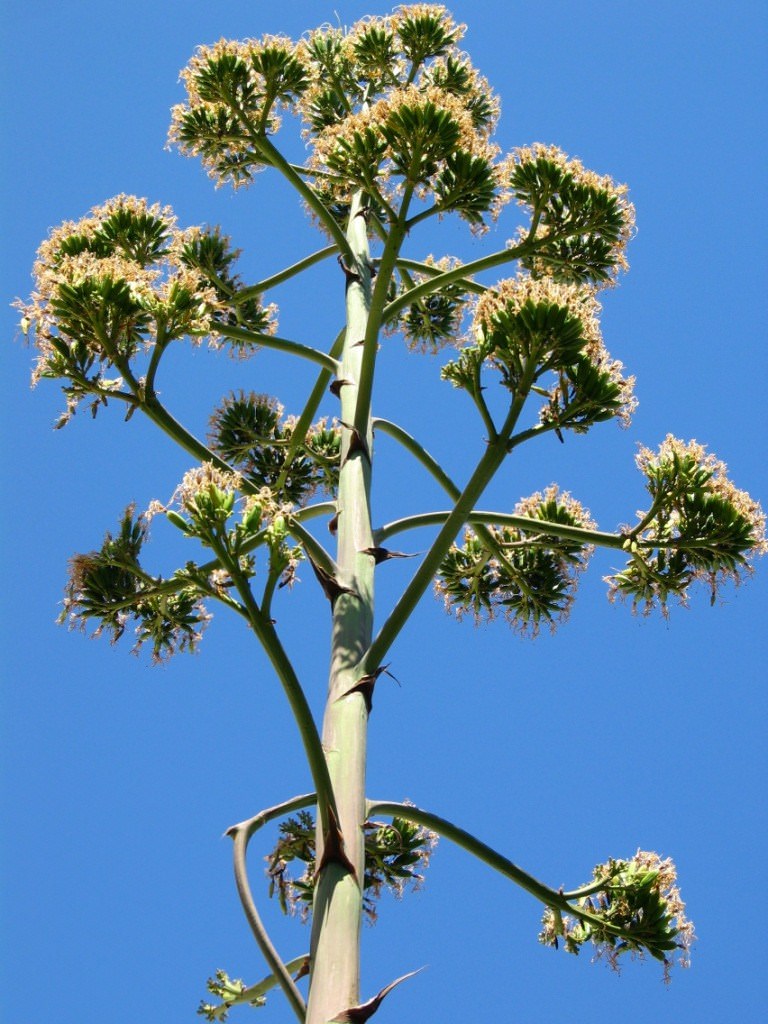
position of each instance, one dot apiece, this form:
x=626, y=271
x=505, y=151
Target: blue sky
x=614, y=734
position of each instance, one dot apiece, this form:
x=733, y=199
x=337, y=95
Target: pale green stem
x=337, y=911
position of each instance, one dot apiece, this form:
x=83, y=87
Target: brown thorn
x=333, y=524
x=360, y=1014
x=365, y=686
x=384, y=554
x=331, y=586
x=333, y=847
x=335, y=386
x=303, y=971
x=351, y=275
x=357, y=442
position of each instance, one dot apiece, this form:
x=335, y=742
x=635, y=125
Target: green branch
x=457, y=276
x=295, y=348
x=302, y=713
x=242, y=833
x=549, y=897
x=376, y=316
x=277, y=160
x=299, y=432
x=412, y=445
x=524, y=523
x=253, y=993
x=484, y=471
x=253, y=291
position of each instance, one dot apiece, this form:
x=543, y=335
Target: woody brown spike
x=384, y=554
x=335, y=386
x=357, y=442
x=365, y=686
x=331, y=586
x=360, y=1014
x=351, y=275
x=333, y=848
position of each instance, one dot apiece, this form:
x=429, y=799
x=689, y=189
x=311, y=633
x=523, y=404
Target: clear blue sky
x=616, y=733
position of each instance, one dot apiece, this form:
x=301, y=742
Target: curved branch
x=156, y=411
x=457, y=276
x=295, y=348
x=549, y=897
x=277, y=160
x=542, y=526
x=431, y=271
x=485, y=469
x=250, y=994
x=412, y=445
x=241, y=834
x=472, y=845
x=264, y=629
x=312, y=546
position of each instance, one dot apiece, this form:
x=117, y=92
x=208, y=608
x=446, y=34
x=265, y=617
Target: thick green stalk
x=337, y=911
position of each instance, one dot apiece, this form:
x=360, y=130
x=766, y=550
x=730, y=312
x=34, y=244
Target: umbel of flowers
x=399, y=130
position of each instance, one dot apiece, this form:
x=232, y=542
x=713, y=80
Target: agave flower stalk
x=399, y=128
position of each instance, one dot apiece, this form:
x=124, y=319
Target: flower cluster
x=234, y=90
x=582, y=221
x=527, y=571
x=632, y=906
x=251, y=433
x=700, y=528
x=396, y=854
x=395, y=105
x=206, y=501
x=544, y=335
x=122, y=282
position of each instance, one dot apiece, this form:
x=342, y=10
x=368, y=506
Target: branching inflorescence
x=399, y=127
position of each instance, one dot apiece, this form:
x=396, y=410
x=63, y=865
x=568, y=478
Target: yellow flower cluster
x=513, y=293
x=239, y=103
x=201, y=480
x=719, y=484
x=532, y=505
